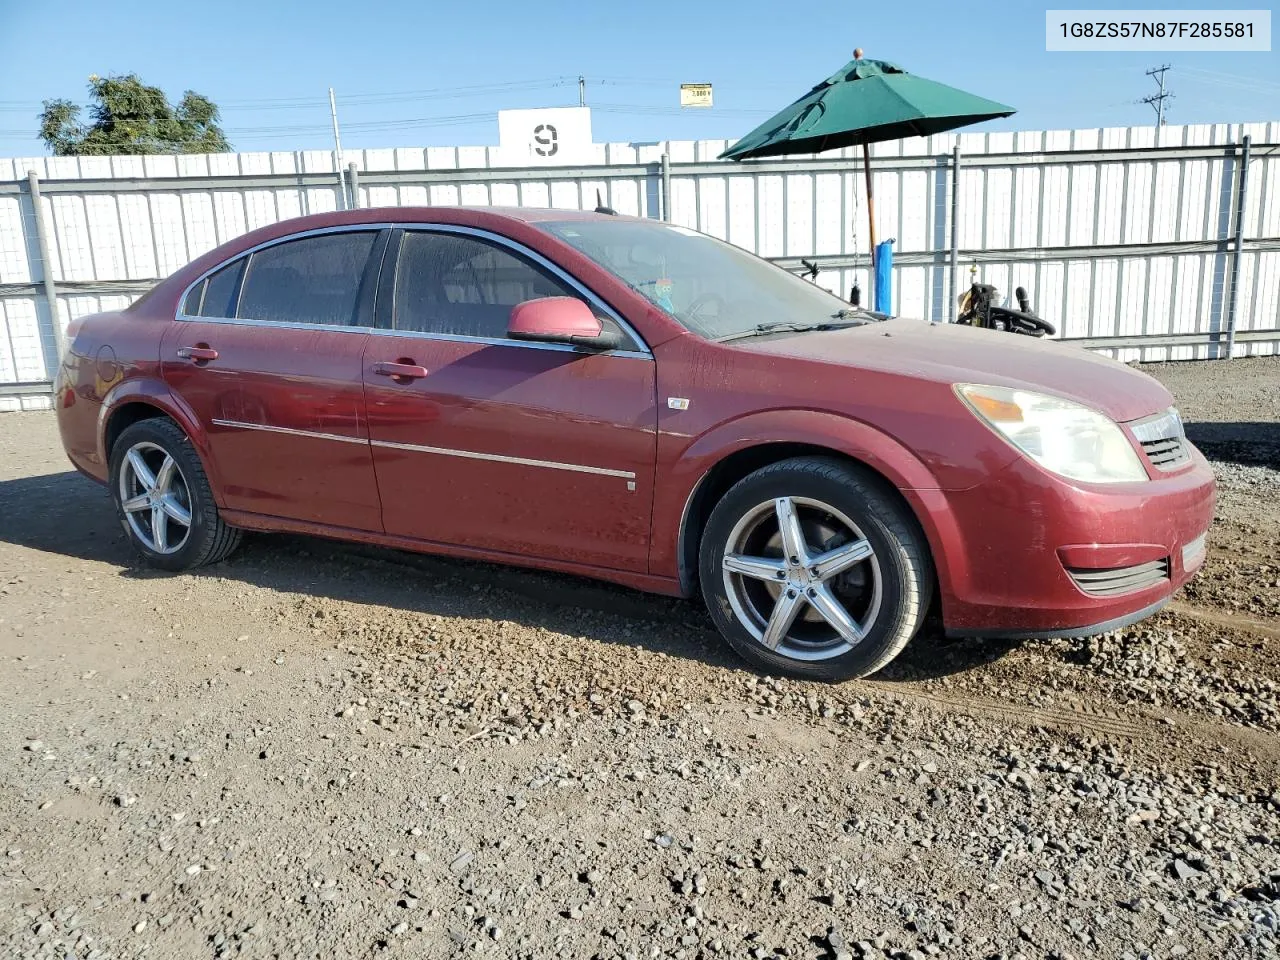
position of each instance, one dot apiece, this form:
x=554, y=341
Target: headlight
x=1067, y=438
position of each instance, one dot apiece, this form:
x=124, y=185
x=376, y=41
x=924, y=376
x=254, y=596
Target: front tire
x=164, y=500
x=811, y=567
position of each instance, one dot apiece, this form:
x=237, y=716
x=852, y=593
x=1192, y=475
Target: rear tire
x=813, y=568
x=164, y=500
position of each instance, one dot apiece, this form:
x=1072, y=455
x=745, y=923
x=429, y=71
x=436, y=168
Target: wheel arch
x=900, y=473
x=126, y=415
x=137, y=400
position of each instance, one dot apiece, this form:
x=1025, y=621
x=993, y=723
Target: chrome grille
x=1118, y=580
x=1163, y=440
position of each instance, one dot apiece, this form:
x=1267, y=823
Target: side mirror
x=560, y=320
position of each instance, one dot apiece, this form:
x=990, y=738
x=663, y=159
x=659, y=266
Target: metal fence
x=1146, y=243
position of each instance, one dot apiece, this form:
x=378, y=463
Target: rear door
x=535, y=449
x=268, y=351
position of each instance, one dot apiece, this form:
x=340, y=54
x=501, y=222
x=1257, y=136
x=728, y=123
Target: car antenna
x=601, y=208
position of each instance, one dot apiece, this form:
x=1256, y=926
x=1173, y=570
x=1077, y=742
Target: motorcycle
x=979, y=308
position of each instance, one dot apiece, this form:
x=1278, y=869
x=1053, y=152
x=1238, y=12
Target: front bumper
x=1015, y=539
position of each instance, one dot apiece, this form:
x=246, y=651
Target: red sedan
x=634, y=401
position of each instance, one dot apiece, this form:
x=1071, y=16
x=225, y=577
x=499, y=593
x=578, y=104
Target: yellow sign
x=695, y=94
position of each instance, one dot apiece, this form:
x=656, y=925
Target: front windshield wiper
x=861, y=313
x=792, y=326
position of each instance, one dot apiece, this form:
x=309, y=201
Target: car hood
x=952, y=353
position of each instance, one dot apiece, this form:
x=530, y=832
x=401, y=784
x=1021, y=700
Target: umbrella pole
x=871, y=224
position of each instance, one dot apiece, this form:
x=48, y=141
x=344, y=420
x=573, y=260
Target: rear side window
x=309, y=280
x=452, y=284
x=191, y=306
x=220, y=291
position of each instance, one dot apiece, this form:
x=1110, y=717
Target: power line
x=1156, y=100
x=1233, y=80
x=662, y=110
x=316, y=106
x=385, y=96
x=397, y=96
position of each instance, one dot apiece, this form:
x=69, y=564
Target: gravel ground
x=316, y=750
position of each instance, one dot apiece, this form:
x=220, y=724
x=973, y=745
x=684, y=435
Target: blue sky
x=433, y=73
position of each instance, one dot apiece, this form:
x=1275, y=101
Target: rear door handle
x=198, y=354
x=406, y=371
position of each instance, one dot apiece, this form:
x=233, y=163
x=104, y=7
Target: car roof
x=460, y=215
x=542, y=214
x=515, y=222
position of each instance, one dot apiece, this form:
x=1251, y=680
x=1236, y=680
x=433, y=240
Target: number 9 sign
x=546, y=140
x=551, y=136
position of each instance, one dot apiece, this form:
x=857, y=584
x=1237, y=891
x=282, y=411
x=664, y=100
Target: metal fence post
x=337, y=151
x=353, y=179
x=1242, y=184
x=955, y=232
x=666, y=187
x=46, y=275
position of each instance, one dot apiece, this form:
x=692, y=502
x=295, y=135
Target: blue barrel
x=884, y=277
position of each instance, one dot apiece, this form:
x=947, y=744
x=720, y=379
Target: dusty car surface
x=634, y=401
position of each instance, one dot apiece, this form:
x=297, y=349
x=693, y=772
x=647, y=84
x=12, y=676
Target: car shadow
x=933, y=655
x=1248, y=443
x=66, y=514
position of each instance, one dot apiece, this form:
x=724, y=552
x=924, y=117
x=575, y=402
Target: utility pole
x=1156, y=100
x=337, y=148
x=582, y=90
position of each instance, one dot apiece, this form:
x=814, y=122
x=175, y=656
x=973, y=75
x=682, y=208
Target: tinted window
x=191, y=306
x=220, y=291
x=311, y=280
x=446, y=283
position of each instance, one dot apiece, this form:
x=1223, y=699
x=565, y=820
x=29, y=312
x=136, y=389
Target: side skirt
x=666, y=586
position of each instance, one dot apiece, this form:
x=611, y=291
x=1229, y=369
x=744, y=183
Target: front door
x=268, y=354
x=532, y=449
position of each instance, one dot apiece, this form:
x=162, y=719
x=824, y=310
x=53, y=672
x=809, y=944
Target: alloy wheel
x=802, y=579
x=155, y=498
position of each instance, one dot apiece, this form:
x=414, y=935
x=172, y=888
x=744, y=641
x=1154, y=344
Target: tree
x=129, y=117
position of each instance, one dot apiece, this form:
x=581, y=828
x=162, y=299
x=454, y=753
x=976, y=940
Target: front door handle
x=199, y=354
x=399, y=370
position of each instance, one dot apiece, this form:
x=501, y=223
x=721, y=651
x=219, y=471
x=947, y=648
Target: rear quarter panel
x=112, y=359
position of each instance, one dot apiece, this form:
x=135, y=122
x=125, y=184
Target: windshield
x=711, y=287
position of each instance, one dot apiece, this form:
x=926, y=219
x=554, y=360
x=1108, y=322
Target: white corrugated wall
x=1115, y=232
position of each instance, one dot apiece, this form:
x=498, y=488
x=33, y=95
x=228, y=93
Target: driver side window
x=460, y=285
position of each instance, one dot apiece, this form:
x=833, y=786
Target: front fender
x=157, y=394
x=845, y=435
x=689, y=467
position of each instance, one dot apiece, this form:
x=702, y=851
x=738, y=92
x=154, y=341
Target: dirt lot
x=316, y=750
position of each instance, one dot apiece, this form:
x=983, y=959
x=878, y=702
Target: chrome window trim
x=318, y=231
x=643, y=353
x=555, y=270
x=501, y=458
x=244, y=275
x=203, y=290
x=278, y=325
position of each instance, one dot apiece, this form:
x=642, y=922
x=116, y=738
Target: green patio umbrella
x=865, y=102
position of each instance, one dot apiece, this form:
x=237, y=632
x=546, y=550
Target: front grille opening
x=1166, y=453
x=1163, y=440
x=1116, y=581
